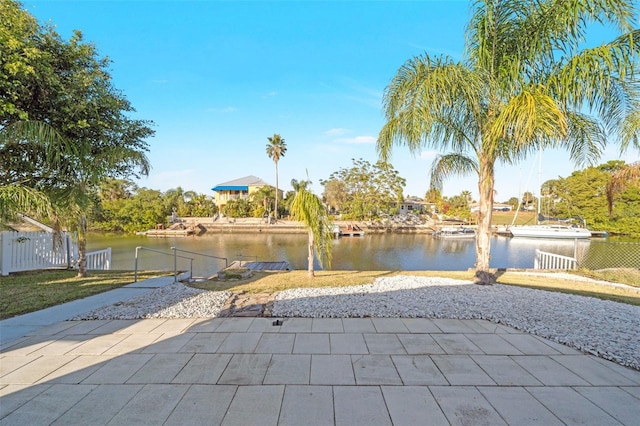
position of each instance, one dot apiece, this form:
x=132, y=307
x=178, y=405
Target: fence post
x=108, y=261
x=5, y=259
x=135, y=268
x=175, y=265
x=67, y=241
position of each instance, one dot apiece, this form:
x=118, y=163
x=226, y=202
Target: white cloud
x=336, y=132
x=358, y=140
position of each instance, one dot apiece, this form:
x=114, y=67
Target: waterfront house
x=239, y=189
x=416, y=206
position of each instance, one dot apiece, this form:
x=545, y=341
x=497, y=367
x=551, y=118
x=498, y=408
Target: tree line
x=122, y=206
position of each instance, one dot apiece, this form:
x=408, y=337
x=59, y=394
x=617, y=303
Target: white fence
x=27, y=251
x=546, y=260
x=99, y=260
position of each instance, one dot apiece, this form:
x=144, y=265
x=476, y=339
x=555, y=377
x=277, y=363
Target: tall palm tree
x=276, y=148
x=307, y=207
x=526, y=83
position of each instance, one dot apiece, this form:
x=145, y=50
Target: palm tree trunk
x=82, y=246
x=312, y=256
x=483, y=236
x=275, y=214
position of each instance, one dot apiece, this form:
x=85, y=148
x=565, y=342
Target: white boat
x=455, y=232
x=562, y=230
x=549, y=231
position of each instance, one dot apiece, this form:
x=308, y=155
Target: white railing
x=28, y=251
x=99, y=260
x=544, y=260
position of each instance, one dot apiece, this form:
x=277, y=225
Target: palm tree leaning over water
x=276, y=148
x=308, y=208
x=525, y=83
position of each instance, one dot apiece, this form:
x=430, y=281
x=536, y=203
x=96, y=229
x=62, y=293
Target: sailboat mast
x=539, y=187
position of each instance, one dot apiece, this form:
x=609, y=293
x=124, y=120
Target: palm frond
x=528, y=118
x=587, y=78
x=431, y=102
x=630, y=130
x=585, y=139
x=54, y=146
x=451, y=164
x=21, y=199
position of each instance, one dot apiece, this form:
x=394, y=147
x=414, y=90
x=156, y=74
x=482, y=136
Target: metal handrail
x=226, y=261
x=175, y=269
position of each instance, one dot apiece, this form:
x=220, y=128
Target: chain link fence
x=604, y=254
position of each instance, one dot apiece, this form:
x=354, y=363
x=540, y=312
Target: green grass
x=25, y=292
x=629, y=276
x=505, y=218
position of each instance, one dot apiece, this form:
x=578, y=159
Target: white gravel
x=175, y=300
x=607, y=329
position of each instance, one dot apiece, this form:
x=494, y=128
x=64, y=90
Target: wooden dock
x=268, y=266
x=241, y=269
x=351, y=230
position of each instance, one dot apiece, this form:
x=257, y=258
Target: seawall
x=254, y=225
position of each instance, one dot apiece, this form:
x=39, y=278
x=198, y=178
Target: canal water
x=375, y=252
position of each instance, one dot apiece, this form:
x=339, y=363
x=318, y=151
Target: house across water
x=239, y=189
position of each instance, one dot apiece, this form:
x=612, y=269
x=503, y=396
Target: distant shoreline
x=255, y=225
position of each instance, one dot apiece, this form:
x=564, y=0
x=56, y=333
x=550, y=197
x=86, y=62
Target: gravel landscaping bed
x=173, y=301
x=607, y=329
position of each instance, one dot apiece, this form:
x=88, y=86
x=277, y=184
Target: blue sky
x=220, y=77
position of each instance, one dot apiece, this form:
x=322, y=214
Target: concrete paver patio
x=355, y=371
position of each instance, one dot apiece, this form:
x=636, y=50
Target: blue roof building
x=239, y=189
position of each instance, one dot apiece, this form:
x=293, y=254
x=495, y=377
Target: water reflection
x=371, y=252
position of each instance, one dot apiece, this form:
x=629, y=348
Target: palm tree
x=90, y=171
x=15, y=195
x=307, y=207
x=524, y=85
x=628, y=175
x=276, y=148
x=262, y=198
